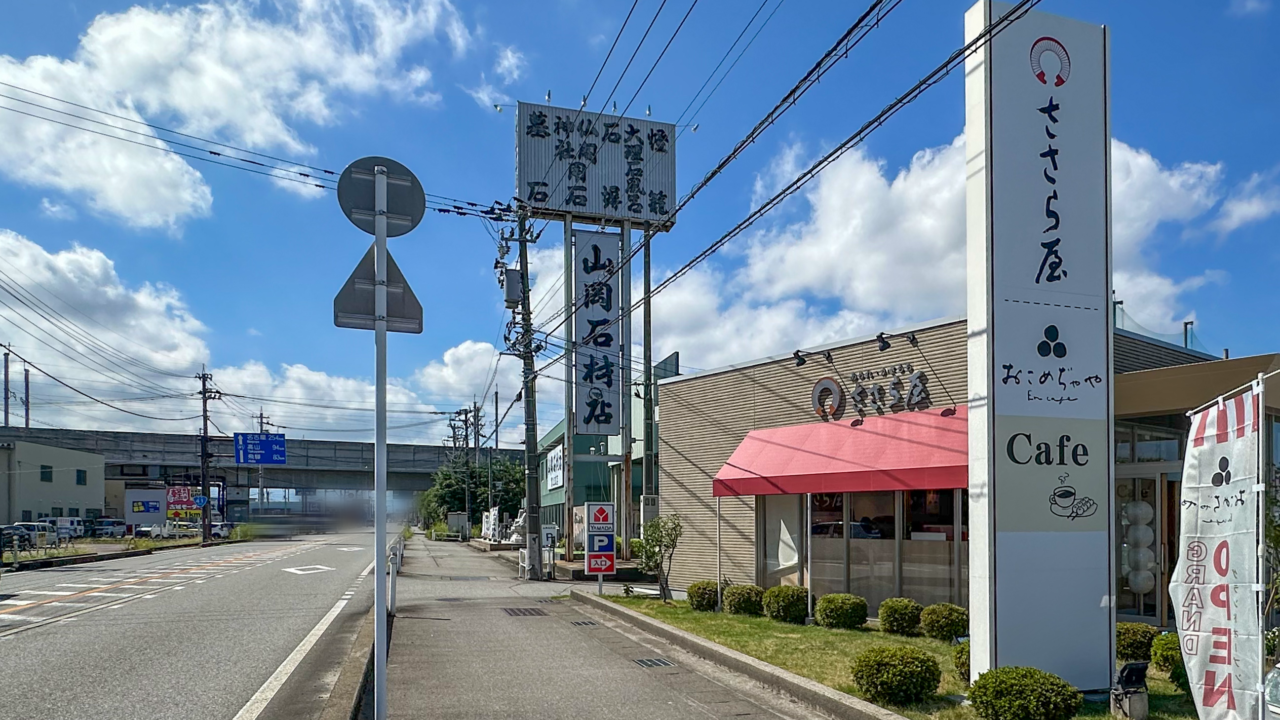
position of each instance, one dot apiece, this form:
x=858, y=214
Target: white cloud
x=1249, y=7
x=56, y=210
x=510, y=64
x=1257, y=199
x=213, y=70
x=876, y=248
x=254, y=332
x=486, y=95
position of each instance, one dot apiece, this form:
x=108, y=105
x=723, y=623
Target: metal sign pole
x=569, y=420
x=380, y=445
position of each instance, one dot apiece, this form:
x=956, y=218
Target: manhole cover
x=525, y=612
x=655, y=662
x=583, y=623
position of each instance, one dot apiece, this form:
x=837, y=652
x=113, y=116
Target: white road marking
x=15, y=602
x=366, y=571
x=77, y=585
x=263, y=697
x=20, y=617
x=45, y=592
x=181, y=587
x=102, y=594
x=61, y=603
x=308, y=569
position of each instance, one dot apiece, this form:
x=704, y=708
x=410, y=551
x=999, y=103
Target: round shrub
x=744, y=600
x=1023, y=693
x=900, y=616
x=896, y=674
x=839, y=610
x=1133, y=640
x=786, y=603
x=702, y=595
x=1166, y=652
x=960, y=656
x=1272, y=641
x=945, y=621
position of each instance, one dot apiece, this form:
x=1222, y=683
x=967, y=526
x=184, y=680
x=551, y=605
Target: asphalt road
x=250, y=631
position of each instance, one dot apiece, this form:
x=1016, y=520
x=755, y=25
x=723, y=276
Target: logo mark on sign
x=1050, y=45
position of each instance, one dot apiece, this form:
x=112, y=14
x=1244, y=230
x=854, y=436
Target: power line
x=724, y=57
x=734, y=64
x=654, y=66
x=100, y=402
x=867, y=21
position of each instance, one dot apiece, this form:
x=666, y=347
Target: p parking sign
x=600, y=557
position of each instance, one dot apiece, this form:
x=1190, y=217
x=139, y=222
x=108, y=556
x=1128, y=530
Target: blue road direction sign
x=260, y=449
x=201, y=501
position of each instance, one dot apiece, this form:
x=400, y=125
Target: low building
x=884, y=468
x=45, y=481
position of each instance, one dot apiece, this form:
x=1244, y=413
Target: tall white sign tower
x=1040, y=360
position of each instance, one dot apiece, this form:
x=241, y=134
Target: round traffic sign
x=406, y=201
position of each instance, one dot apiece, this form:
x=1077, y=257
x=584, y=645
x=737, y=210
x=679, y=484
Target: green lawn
x=826, y=655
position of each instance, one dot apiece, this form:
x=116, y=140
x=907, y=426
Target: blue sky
x=217, y=266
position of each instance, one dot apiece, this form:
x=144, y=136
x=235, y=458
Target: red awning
x=923, y=450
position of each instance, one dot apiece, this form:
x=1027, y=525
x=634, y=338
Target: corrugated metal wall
x=1133, y=353
x=704, y=417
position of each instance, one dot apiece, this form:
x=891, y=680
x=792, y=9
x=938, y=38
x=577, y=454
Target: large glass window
x=1124, y=444
x=928, y=550
x=1137, y=571
x=1152, y=445
x=783, y=539
x=871, y=547
x=963, y=599
x=46, y=473
x=827, y=540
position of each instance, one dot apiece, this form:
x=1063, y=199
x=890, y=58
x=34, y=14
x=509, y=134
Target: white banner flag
x=1215, y=587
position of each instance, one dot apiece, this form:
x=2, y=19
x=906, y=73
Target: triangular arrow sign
x=353, y=306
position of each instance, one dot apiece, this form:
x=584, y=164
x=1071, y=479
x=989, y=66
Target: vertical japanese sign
x=1040, y=365
x=594, y=166
x=597, y=354
x=1214, y=589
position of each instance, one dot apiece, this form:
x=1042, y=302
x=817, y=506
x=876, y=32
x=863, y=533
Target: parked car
x=186, y=529
x=68, y=527
x=9, y=534
x=42, y=534
x=221, y=531
x=108, y=528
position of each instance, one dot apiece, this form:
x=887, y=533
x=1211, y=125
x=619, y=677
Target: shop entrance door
x=1146, y=529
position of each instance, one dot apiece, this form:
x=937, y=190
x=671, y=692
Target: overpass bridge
x=312, y=464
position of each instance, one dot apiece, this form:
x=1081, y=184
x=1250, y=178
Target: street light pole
x=380, y=444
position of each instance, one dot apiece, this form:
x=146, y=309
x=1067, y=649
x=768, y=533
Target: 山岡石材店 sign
x=598, y=334
x=1215, y=587
x=1038, y=198
x=593, y=165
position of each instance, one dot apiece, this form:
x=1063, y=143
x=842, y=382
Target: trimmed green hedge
x=839, y=610
x=1166, y=655
x=786, y=603
x=1023, y=693
x=744, y=600
x=960, y=656
x=1133, y=640
x=896, y=674
x=702, y=595
x=900, y=616
x=945, y=621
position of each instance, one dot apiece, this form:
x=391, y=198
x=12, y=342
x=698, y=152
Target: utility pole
x=646, y=474
x=493, y=497
x=475, y=422
x=6, y=389
x=26, y=395
x=262, y=428
x=205, y=519
x=533, y=519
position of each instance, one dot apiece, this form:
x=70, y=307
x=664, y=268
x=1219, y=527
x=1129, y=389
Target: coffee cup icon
x=1061, y=499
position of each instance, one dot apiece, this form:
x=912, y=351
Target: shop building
x=845, y=467
x=44, y=481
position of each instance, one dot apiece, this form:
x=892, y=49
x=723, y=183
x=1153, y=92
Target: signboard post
x=383, y=198
x=600, y=550
x=1040, y=358
x=260, y=449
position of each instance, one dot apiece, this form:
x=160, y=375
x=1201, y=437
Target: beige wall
x=21, y=467
x=704, y=417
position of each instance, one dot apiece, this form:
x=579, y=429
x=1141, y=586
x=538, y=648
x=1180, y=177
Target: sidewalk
x=459, y=652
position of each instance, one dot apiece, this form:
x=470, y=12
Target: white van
x=67, y=526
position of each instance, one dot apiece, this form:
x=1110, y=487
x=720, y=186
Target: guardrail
x=456, y=537
x=395, y=555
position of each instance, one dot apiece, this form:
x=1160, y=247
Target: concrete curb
x=348, y=690
x=216, y=543
x=838, y=704
x=74, y=560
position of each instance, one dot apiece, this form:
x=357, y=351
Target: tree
x=448, y=492
x=653, y=553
